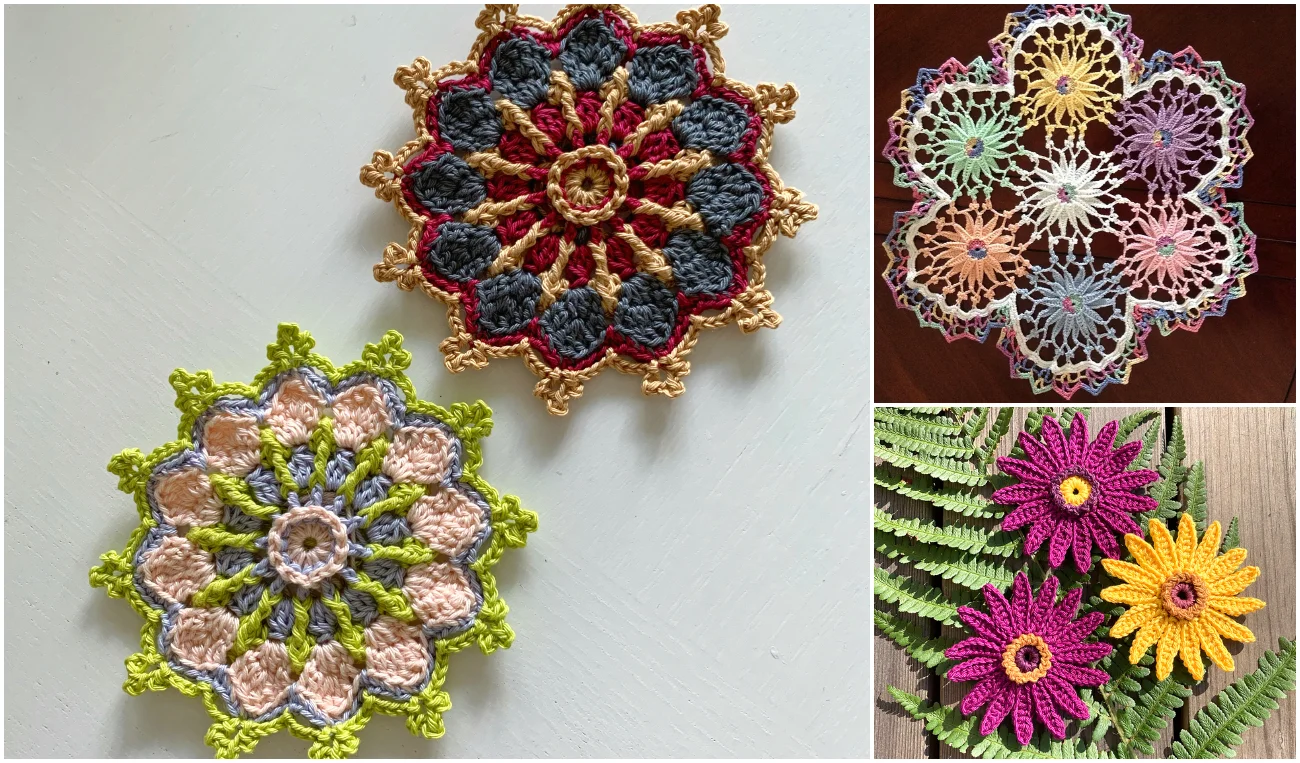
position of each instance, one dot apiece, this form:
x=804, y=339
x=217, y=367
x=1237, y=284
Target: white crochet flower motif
x=1070, y=193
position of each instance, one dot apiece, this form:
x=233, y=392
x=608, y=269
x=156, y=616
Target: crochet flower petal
x=1122, y=456
x=1235, y=583
x=999, y=708
x=975, y=669
x=1228, y=628
x=1045, y=710
x=360, y=415
x=973, y=647
x=1190, y=653
x=1186, y=545
x=329, y=679
x=1083, y=653
x=1039, y=532
x=1053, y=440
x=1076, y=632
x=1207, y=549
x=1019, y=493
x=1103, y=536
x=1102, y=448
x=1119, y=501
x=1065, y=698
x=1149, y=633
x=1213, y=646
x=1135, y=617
x=1082, y=547
x=1045, y=605
x=1062, y=541
x=1168, y=647
x=1081, y=675
x=1130, y=480
x=1025, y=470
x=1162, y=544
x=1039, y=453
x=1022, y=598
x=1064, y=612
x=984, y=691
x=1028, y=512
x=295, y=411
x=1224, y=565
x=1128, y=593
x=982, y=624
x=1022, y=715
x=1236, y=606
x=999, y=607
x=1077, y=446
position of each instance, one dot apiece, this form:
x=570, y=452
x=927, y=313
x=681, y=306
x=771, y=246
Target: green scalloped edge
x=229, y=736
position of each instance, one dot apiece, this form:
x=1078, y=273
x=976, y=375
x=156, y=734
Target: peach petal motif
x=329, y=679
x=396, y=653
x=440, y=594
x=185, y=498
x=232, y=443
x=200, y=638
x=177, y=569
x=295, y=410
x=448, y=521
x=260, y=677
x=360, y=415
x=418, y=454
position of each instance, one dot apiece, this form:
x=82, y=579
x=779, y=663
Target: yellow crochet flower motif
x=1066, y=82
x=1181, y=596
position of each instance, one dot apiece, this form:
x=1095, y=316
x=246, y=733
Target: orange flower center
x=1027, y=659
x=1184, y=595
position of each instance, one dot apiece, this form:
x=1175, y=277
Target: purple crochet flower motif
x=1163, y=135
x=1075, y=492
x=1028, y=657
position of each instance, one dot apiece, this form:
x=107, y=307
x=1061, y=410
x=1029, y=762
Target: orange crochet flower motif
x=972, y=255
x=1181, y=596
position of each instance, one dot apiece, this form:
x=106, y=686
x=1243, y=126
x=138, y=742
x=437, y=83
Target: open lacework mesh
x=1066, y=147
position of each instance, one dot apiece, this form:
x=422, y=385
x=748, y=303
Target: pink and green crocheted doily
x=1015, y=205
x=312, y=548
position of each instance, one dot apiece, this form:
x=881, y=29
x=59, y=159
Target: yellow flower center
x=1075, y=490
x=1184, y=595
x=1027, y=659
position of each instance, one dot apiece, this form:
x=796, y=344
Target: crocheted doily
x=960, y=257
x=312, y=548
x=588, y=192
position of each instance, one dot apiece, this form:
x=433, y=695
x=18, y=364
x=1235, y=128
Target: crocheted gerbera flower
x=588, y=192
x=312, y=548
x=1029, y=656
x=1181, y=596
x=1076, y=492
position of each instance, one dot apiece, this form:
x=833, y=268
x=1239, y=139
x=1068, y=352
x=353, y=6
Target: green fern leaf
x=1172, y=474
x=1143, y=722
x=947, y=469
x=975, y=424
x=908, y=634
x=921, y=438
x=973, y=539
x=924, y=409
x=1217, y=728
x=1231, y=538
x=1195, y=497
x=965, y=502
x=988, y=448
x=962, y=568
x=917, y=599
x=903, y=416
x=1133, y=422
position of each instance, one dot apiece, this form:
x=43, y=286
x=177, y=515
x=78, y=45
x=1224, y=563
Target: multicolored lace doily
x=588, y=192
x=1003, y=158
x=312, y=548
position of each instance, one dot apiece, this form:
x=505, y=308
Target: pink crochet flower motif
x=1028, y=657
x=1075, y=492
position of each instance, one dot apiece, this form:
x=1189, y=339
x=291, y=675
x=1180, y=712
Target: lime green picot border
x=195, y=393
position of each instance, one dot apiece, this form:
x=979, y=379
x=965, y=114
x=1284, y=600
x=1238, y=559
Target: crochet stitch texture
x=1074, y=492
x=1028, y=656
x=312, y=548
x=588, y=192
x=1181, y=597
x=1176, y=126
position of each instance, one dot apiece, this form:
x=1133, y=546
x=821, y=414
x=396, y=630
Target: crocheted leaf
x=1196, y=497
x=914, y=598
x=908, y=634
x=1172, y=474
x=1249, y=701
x=968, y=503
x=988, y=447
x=962, y=568
x=1231, y=538
x=1143, y=722
x=948, y=725
x=972, y=539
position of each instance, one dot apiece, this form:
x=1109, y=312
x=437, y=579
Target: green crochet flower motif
x=312, y=548
x=970, y=139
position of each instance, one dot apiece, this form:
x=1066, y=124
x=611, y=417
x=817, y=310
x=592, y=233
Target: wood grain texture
x=179, y=179
x=1246, y=355
x=1249, y=454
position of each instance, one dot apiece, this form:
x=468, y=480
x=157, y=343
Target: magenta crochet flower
x=1028, y=657
x=1074, y=492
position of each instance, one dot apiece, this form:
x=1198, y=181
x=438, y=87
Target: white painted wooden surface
x=179, y=180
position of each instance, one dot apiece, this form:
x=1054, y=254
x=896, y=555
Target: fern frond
x=1231, y=538
x=973, y=539
x=908, y=634
x=946, y=469
x=1195, y=498
x=975, y=424
x=902, y=416
x=1133, y=422
x=1172, y=474
x=921, y=438
x=1217, y=728
x=962, y=734
x=917, y=599
x=968, y=503
x=988, y=448
x=964, y=569
x=925, y=409
x=1143, y=722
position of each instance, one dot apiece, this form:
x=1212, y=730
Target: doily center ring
x=587, y=186
x=307, y=545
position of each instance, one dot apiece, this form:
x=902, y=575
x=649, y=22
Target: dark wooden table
x=1246, y=355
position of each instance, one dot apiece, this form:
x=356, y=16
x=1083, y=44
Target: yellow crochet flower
x=1181, y=596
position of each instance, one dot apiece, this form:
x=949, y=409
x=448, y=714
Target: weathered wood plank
x=1249, y=456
